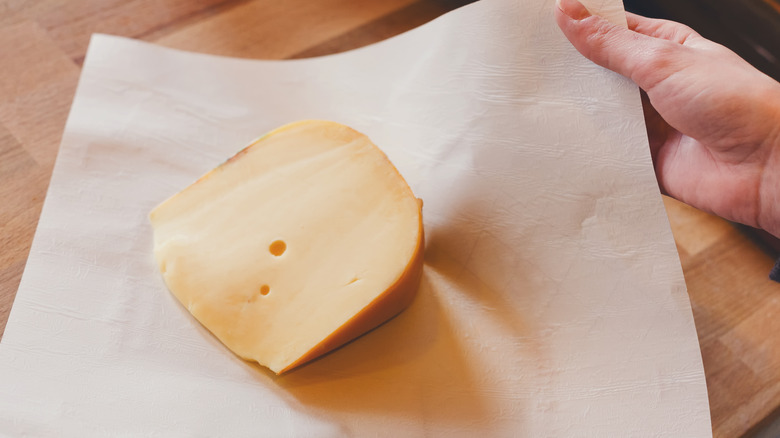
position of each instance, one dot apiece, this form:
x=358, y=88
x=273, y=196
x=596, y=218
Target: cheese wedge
x=304, y=240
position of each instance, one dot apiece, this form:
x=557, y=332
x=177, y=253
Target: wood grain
x=735, y=306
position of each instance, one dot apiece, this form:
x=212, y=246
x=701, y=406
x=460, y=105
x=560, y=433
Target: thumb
x=644, y=59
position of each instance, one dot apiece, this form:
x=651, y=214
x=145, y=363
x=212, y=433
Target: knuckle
x=653, y=64
x=600, y=35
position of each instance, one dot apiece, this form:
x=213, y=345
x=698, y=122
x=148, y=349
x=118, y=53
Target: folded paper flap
x=552, y=297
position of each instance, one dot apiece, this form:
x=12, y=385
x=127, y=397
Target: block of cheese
x=302, y=241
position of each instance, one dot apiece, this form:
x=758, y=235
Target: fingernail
x=573, y=9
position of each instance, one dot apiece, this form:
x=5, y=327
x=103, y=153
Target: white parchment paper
x=552, y=304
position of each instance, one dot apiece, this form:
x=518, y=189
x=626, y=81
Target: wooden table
x=42, y=47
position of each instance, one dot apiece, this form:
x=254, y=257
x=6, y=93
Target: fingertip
x=583, y=29
x=571, y=17
x=573, y=9
x=603, y=42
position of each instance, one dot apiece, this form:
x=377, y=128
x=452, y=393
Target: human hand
x=713, y=121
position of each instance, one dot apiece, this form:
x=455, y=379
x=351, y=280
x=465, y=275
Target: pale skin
x=713, y=121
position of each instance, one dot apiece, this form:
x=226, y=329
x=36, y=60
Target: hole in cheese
x=338, y=200
x=277, y=248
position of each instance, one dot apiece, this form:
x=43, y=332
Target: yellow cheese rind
x=301, y=242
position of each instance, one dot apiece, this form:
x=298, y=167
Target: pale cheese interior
x=349, y=223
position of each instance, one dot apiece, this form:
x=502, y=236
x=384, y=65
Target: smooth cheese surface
x=302, y=241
